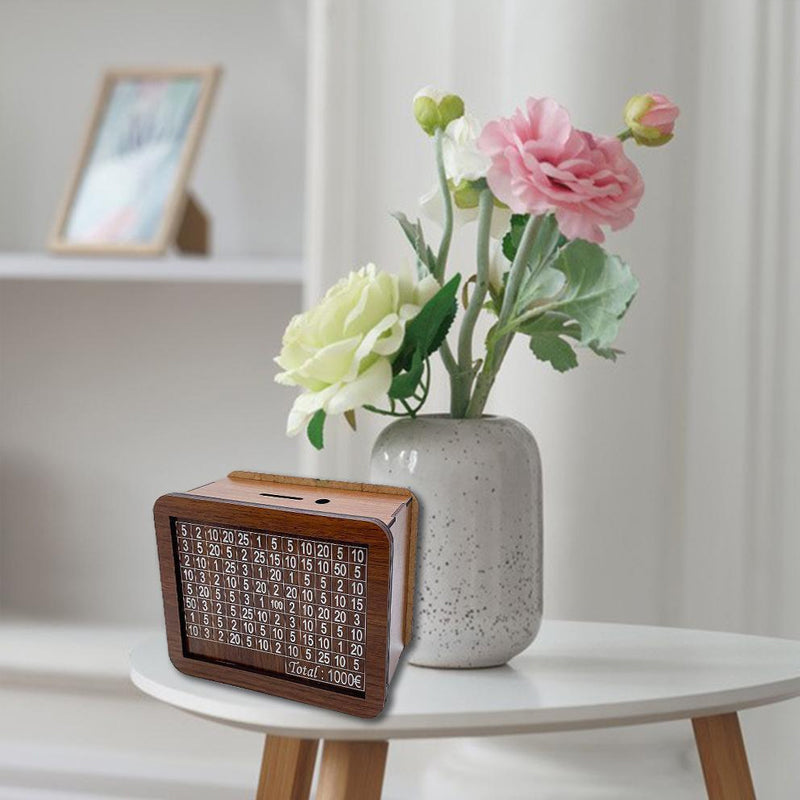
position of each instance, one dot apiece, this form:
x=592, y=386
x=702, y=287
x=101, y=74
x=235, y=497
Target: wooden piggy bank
x=294, y=587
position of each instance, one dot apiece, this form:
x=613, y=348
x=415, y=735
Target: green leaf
x=540, y=286
x=547, y=341
x=596, y=290
x=404, y=384
x=314, y=429
x=610, y=353
x=547, y=239
x=538, y=281
x=599, y=288
x=415, y=235
x=426, y=332
x=512, y=239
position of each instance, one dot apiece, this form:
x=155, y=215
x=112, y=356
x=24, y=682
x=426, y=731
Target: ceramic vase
x=478, y=599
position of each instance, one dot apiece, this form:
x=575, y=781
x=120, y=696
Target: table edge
x=478, y=724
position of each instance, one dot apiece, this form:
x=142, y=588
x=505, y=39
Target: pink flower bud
x=651, y=118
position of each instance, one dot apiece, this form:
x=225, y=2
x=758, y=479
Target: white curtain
x=671, y=476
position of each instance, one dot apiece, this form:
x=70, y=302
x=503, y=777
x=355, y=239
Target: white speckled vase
x=479, y=560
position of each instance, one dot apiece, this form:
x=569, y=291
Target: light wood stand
x=354, y=770
x=348, y=770
x=723, y=757
x=194, y=230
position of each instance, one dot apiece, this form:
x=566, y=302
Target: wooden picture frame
x=181, y=220
x=222, y=625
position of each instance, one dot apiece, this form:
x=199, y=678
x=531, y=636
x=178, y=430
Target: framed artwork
x=128, y=193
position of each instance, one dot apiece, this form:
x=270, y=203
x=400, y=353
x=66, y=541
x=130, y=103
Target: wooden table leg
x=287, y=768
x=724, y=759
x=352, y=770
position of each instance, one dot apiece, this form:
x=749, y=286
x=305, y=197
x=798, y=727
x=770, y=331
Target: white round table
x=576, y=675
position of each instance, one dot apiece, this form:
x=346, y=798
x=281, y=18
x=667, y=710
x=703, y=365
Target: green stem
x=517, y=270
x=465, y=362
x=426, y=384
x=456, y=380
x=450, y=364
x=409, y=411
x=483, y=386
x=626, y=134
x=444, y=189
x=497, y=345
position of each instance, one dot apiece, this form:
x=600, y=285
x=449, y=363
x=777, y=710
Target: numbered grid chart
x=301, y=600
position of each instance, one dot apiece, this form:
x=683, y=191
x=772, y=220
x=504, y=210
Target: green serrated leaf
x=512, y=239
x=405, y=384
x=547, y=340
x=425, y=333
x=415, y=235
x=314, y=429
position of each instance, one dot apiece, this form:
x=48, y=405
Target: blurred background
x=670, y=477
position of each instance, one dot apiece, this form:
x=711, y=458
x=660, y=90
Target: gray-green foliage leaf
x=415, y=235
x=582, y=294
x=540, y=281
x=610, y=353
x=598, y=290
x=547, y=340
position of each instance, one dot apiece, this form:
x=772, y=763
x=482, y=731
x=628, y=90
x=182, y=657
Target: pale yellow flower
x=340, y=352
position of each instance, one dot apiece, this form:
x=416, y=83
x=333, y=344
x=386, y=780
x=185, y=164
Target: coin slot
x=280, y=496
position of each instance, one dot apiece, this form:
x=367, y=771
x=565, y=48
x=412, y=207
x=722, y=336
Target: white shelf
x=66, y=655
x=170, y=269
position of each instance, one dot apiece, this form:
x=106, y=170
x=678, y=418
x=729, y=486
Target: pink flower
x=540, y=163
x=651, y=118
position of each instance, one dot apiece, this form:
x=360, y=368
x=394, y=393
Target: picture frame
x=128, y=192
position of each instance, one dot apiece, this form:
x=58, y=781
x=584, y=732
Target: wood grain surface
x=723, y=757
x=387, y=555
x=352, y=770
x=411, y=523
x=307, y=498
x=287, y=768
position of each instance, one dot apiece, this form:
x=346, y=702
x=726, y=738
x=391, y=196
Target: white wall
x=112, y=393
x=250, y=168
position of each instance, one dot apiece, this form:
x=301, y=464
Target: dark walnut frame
x=236, y=502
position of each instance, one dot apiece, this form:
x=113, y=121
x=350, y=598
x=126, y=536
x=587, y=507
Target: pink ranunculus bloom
x=651, y=118
x=540, y=163
x=662, y=114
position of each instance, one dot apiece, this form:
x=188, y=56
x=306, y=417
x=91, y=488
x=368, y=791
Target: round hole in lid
x=322, y=501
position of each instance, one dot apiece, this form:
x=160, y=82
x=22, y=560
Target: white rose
x=463, y=161
x=340, y=351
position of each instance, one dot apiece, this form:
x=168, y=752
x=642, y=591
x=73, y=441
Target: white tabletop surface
x=575, y=675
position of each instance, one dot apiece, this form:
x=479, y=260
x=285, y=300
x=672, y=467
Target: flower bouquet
x=541, y=192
